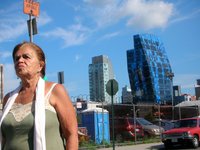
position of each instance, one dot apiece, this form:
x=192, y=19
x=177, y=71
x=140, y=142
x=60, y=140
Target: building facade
x=127, y=97
x=197, y=90
x=177, y=90
x=149, y=71
x=100, y=72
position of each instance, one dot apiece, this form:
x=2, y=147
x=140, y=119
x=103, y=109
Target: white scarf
x=39, y=123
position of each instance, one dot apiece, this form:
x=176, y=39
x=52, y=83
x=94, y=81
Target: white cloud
x=142, y=14
x=185, y=17
x=148, y=14
x=77, y=58
x=10, y=79
x=73, y=35
x=44, y=19
x=5, y=54
x=13, y=24
x=99, y=3
x=12, y=28
x=110, y=35
x=104, y=12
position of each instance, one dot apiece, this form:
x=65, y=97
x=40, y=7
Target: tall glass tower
x=100, y=72
x=149, y=70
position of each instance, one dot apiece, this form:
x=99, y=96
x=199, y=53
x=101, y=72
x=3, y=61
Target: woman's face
x=26, y=62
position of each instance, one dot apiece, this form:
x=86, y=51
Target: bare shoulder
x=57, y=89
x=58, y=94
x=48, y=86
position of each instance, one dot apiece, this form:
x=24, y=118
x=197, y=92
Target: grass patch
x=90, y=145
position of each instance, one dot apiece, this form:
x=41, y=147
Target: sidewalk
x=149, y=146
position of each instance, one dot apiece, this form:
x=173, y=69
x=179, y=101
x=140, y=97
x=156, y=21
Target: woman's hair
x=39, y=52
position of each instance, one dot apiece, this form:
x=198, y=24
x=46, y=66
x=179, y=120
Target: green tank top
x=18, y=128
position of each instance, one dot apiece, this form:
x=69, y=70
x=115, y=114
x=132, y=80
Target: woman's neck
x=29, y=83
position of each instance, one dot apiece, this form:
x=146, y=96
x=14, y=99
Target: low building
x=197, y=90
x=127, y=97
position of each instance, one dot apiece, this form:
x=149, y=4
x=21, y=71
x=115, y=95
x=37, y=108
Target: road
x=150, y=146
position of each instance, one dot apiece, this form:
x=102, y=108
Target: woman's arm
x=67, y=116
x=5, y=99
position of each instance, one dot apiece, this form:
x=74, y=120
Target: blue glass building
x=149, y=71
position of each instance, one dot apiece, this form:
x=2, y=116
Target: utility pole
x=103, y=132
x=1, y=81
x=30, y=28
x=170, y=75
x=111, y=89
x=32, y=9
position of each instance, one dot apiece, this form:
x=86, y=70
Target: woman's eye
x=17, y=58
x=25, y=56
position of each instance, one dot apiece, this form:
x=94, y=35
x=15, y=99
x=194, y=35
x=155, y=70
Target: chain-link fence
x=132, y=124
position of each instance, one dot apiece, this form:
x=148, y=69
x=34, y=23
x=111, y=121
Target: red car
x=185, y=132
x=124, y=129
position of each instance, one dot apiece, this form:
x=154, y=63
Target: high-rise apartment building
x=149, y=70
x=100, y=72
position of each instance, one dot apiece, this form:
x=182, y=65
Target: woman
x=38, y=114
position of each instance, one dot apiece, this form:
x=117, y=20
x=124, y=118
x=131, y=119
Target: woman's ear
x=41, y=65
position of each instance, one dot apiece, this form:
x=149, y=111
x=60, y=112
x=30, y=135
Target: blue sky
x=71, y=32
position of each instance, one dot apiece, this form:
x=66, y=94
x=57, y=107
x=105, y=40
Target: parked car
x=185, y=132
x=166, y=124
x=149, y=128
x=124, y=129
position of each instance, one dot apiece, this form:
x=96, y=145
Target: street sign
x=78, y=105
x=112, y=87
x=31, y=7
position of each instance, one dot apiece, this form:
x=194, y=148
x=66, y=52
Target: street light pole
x=1, y=81
x=102, y=121
x=170, y=75
x=31, y=28
x=135, y=125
